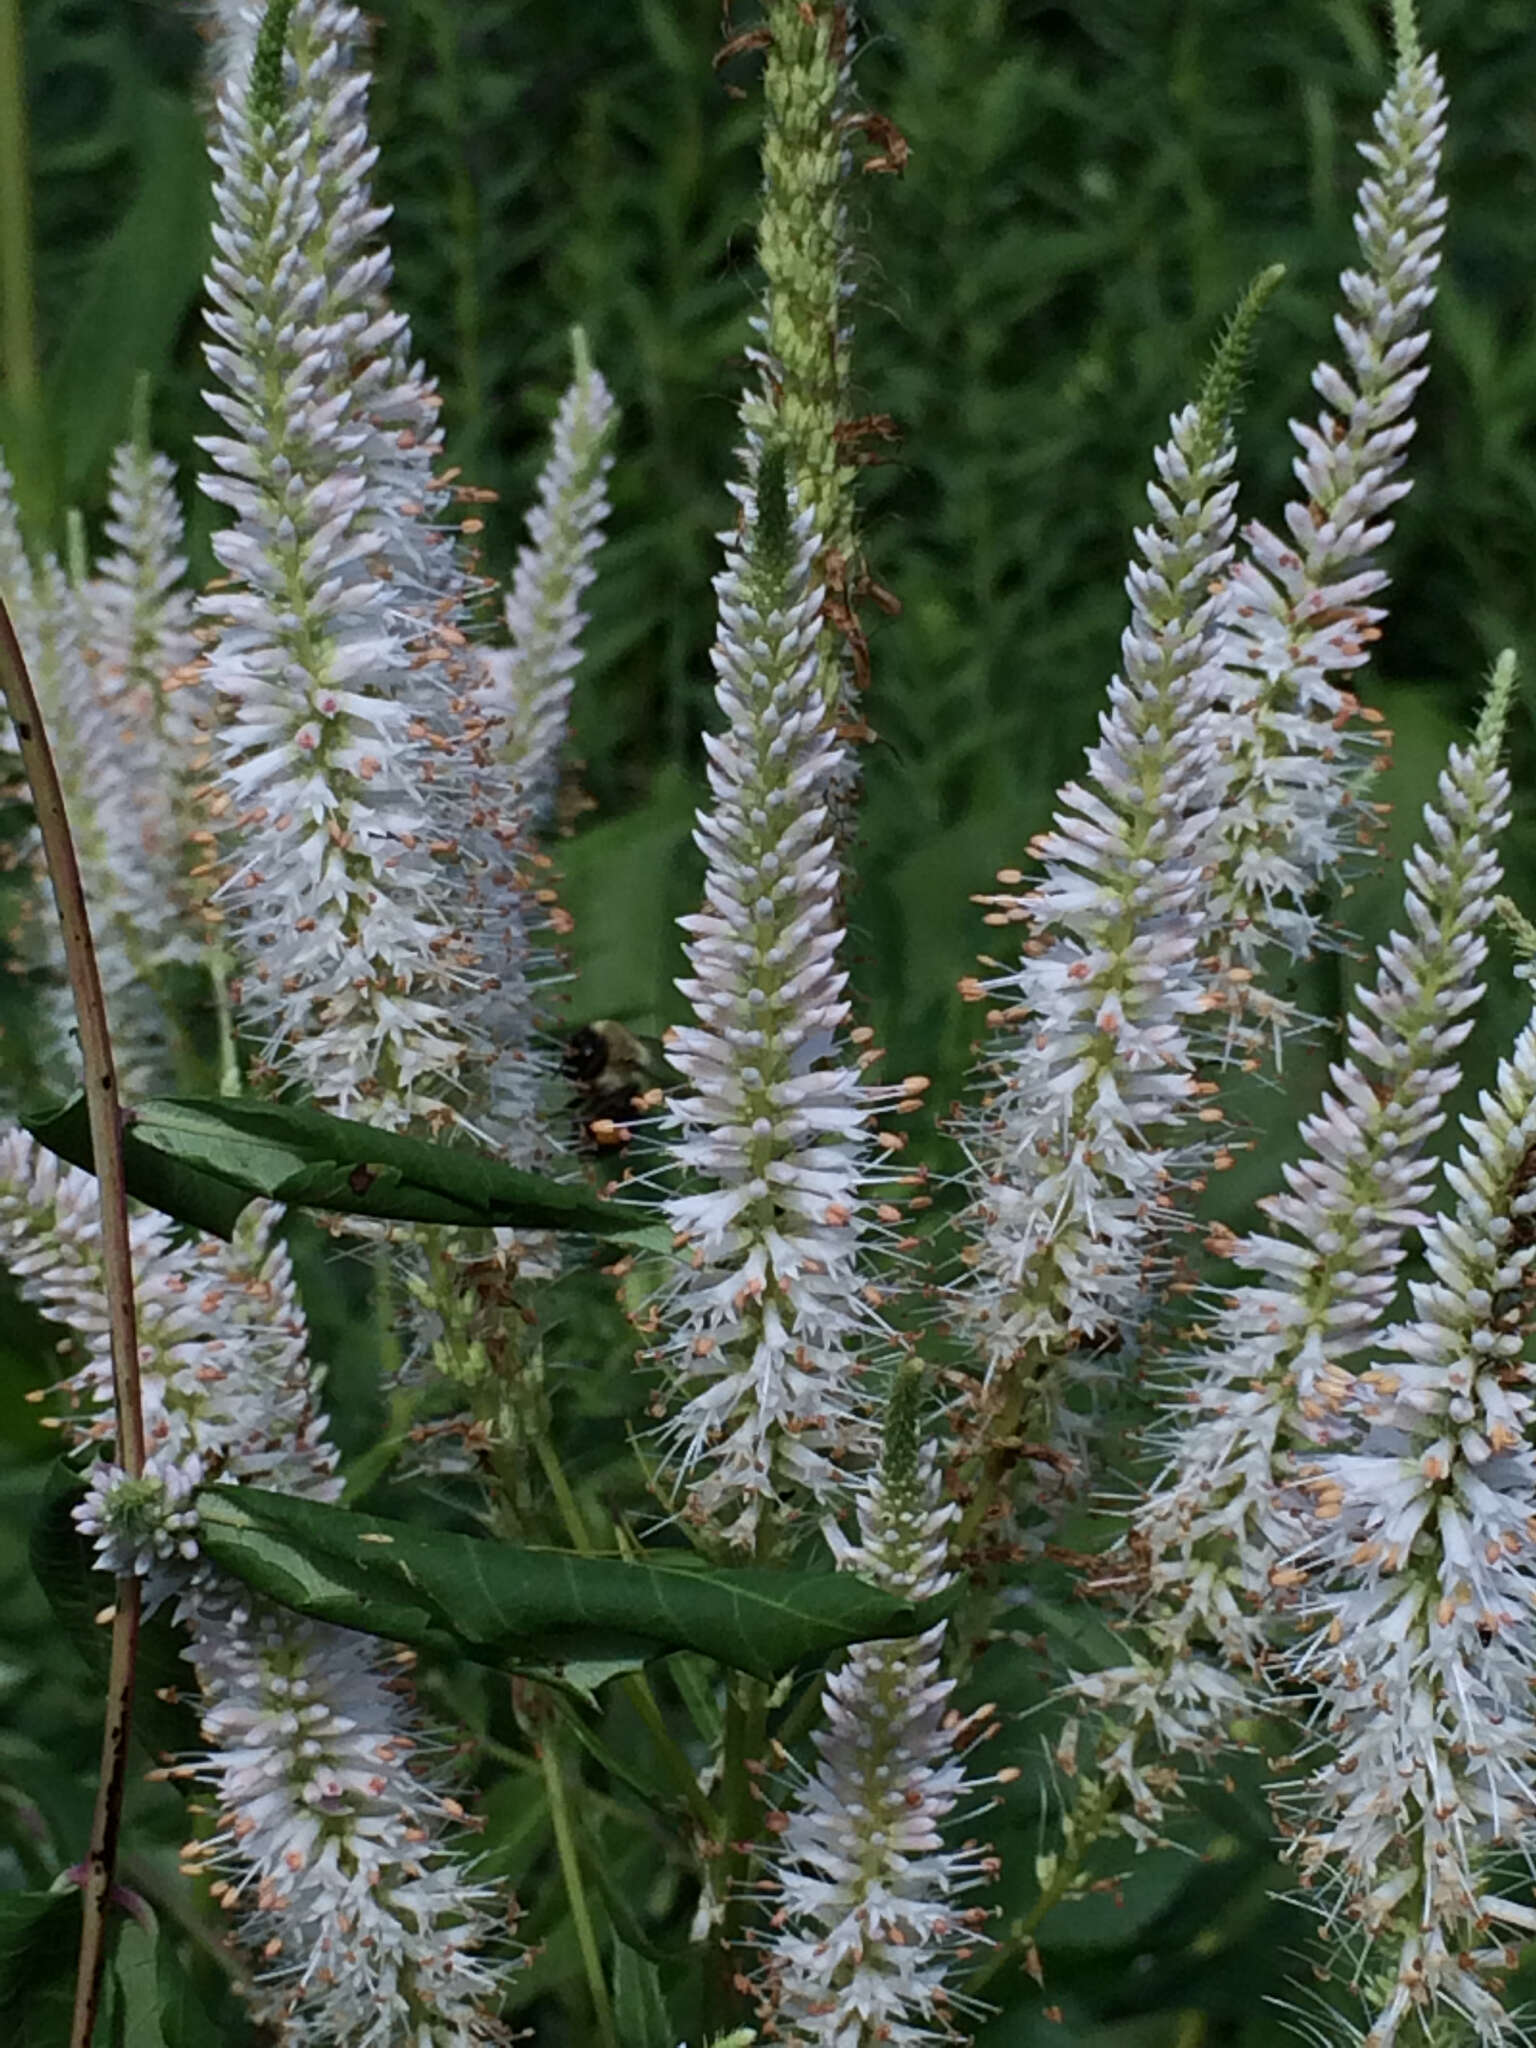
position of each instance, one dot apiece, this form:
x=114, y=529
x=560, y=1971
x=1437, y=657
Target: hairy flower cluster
x=522, y=701
x=1298, y=612
x=105, y=799
x=332, y=1843
x=142, y=651
x=868, y=1922
x=1215, y=1537
x=1215, y=1540
x=328, y=1838
x=227, y=1387
x=1091, y=1119
x=1420, y=1582
x=531, y=681
x=347, y=780
x=767, y=1316
x=1274, y=1369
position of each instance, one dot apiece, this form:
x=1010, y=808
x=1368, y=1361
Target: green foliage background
x=1090, y=186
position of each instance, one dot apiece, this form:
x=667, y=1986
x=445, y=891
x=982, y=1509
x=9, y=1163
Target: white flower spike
x=767, y=1318
x=1299, y=608
x=1093, y=1119
x=869, y=1922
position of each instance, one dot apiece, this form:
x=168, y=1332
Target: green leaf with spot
x=201, y=1159
x=550, y=1614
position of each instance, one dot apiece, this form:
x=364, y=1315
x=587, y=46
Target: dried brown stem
x=117, y=1266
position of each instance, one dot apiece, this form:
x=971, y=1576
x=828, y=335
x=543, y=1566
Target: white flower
x=104, y=792
x=766, y=1318
x=1298, y=610
x=227, y=1387
x=1274, y=1370
x=137, y=620
x=529, y=691
x=332, y=1842
x=346, y=775
x=521, y=701
x=1419, y=1590
x=868, y=1920
x=1089, y=1125
x=1213, y=1539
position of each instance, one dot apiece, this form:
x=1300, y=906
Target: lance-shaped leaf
x=547, y=1613
x=201, y=1160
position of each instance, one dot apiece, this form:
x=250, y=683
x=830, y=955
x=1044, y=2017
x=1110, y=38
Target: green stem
x=1083, y=1829
x=576, y=1893
x=386, y=1335
x=997, y=1463
x=746, y=1737
x=560, y=1487
x=231, y=1082
x=644, y=1701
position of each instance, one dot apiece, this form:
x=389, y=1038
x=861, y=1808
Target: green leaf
x=39, y=1935
x=184, y=2020
x=136, y=1973
x=551, y=1614
x=201, y=1160
x=638, y=2005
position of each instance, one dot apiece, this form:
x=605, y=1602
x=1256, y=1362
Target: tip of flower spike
x=266, y=88
x=1518, y=928
x=1494, y=715
x=903, y=1436
x=581, y=355
x=1405, y=34
x=1218, y=401
x=138, y=414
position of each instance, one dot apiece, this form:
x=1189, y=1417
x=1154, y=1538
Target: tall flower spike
x=333, y=1840
x=1299, y=610
x=138, y=620
x=1213, y=1539
x=803, y=246
x=1274, y=1376
x=765, y=1320
x=370, y=1929
x=522, y=699
x=102, y=788
x=1091, y=1121
x=344, y=780
x=530, y=693
x=868, y=1915
x=1419, y=1586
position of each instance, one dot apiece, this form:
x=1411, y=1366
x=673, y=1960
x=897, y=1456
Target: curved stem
x=106, y=1127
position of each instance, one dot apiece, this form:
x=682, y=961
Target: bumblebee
x=615, y=1075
